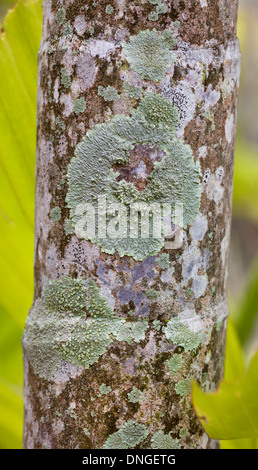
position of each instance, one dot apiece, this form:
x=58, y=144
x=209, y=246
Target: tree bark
x=113, y=339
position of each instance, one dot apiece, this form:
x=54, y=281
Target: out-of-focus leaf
x=19, y=43
x=234, y=369
x=247, y=310
x=232, y=411
x=10, y=416
x=245, y=192
x=234, y=361
x=239, y=444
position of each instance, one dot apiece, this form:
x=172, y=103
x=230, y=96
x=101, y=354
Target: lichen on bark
x=116, y=332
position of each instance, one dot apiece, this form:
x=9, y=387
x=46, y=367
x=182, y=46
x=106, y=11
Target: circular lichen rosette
x=95, y=173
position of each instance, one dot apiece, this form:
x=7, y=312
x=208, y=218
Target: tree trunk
x=144, y=92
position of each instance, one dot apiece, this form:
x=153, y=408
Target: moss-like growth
x=128, y=436
x=164, y=441
x=174, y=364
x=148, y=54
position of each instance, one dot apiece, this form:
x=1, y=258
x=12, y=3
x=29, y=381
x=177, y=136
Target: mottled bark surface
x=92, y=385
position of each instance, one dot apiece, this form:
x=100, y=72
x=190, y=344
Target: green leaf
x=234, y=361
x=245, y=193
x=10, y=416
x=19, y=43
x=247, y=310
x=232, y=411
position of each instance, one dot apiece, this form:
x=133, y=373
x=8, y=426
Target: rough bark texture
x=108, y=363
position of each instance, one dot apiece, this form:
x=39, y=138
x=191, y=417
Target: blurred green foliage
x=19, y=42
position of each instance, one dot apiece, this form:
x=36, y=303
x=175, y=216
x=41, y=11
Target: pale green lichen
x=97, y=306
x=163, y=261
x=161, y=8
x=153, y=16
x=109, y=93
x=65, y=295
x=164, y=441
x=74, y=322
x=135, y=396
x=79, y=105
x=167, y=36
x=149, y=55
x=129, y=435
x=68, y=29
x=181, y=335
x=175, y=364
x=132, y=91
x=65, y=78
x=156, y=325
x=105, y=389
x=152, y=294
x=60, y=16
x=183, y=387
x=60, y=124
x=176, y=178
x=86, y=432
x=183, y=432
x=109, y=9
x=55, y=214
x=71, y=413
x=132, y=331
x=68, y=227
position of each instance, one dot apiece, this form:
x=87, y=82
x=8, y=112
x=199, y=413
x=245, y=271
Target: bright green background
x=19, y=43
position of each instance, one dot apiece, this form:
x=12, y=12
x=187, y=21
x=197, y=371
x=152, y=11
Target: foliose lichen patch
x=129, y=435
x=180, y=334
x=148, y=53
x=73, y=322
x=176, y=178
x=164, y=441
x=135, y=396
